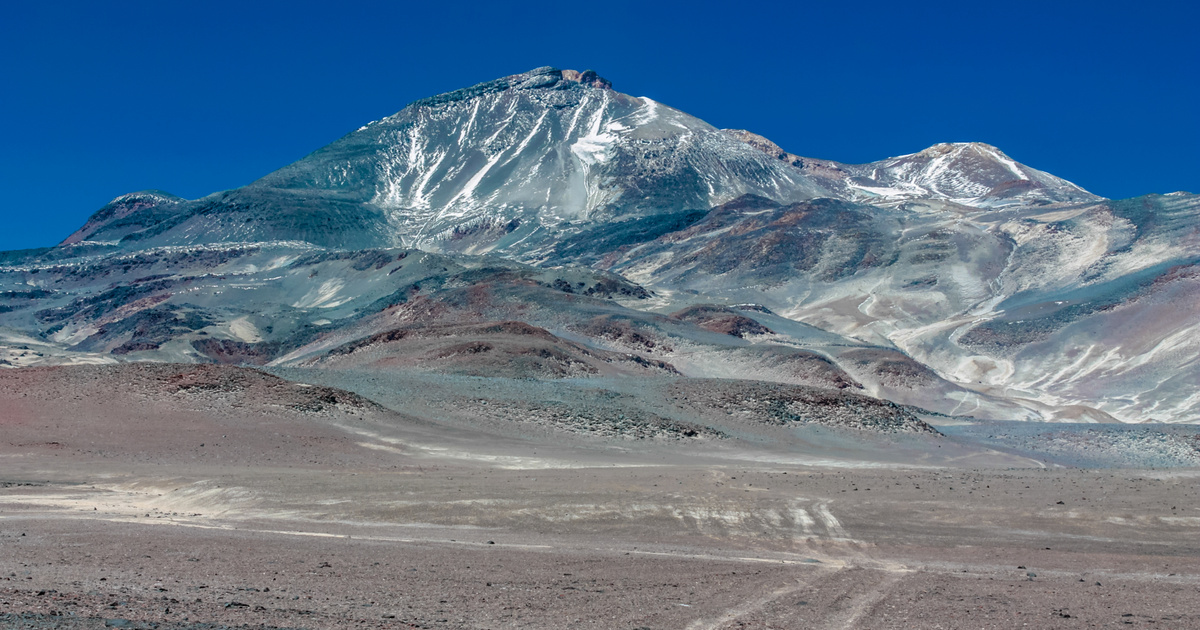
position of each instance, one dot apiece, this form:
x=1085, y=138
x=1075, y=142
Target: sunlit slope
x=1077, y=310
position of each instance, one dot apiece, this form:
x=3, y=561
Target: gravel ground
x=138, y=504
x=1093, y=445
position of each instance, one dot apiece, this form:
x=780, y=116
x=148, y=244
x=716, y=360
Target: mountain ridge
x=386, y=182
x=954, y=278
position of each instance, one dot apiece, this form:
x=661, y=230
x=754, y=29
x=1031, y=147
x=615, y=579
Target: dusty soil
x=373, y=518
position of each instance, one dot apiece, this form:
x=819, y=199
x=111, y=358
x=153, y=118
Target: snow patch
x=596, y=146
x=244, y=330
x=324, y=296
x=1005, y=160
x=647, y=113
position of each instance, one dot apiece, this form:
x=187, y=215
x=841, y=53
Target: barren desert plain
x=200, y=496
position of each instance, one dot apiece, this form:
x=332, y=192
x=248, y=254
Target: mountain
x=967, y=173
x=545, y=225
x=518, y=160
x=1054, y=309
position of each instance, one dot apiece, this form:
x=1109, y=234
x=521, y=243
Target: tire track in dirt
x=857, y=607
x=737, y=612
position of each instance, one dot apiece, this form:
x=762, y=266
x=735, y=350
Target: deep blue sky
x=99, y=99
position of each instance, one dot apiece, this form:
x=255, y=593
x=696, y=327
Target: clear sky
x=103, y=98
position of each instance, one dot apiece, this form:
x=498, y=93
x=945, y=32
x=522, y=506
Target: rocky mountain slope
x=545, y=225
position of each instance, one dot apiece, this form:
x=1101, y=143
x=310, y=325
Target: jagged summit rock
x=544, y=78
x=587, y=77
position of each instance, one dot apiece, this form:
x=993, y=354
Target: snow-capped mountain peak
x=522, y=161
x=968, y=173
x=543, y=148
